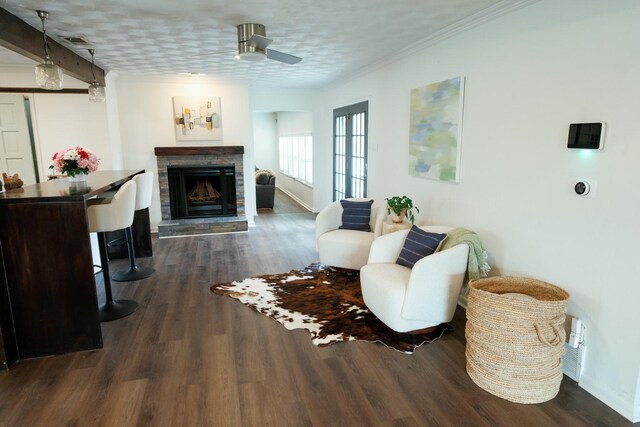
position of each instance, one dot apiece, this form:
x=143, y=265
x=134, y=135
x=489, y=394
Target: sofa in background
x=265, y=189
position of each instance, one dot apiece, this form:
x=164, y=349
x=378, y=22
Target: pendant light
x=48, y=74
x=96, y=90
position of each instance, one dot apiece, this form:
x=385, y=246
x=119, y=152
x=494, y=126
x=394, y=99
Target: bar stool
x=110, y=215
x=144, y=189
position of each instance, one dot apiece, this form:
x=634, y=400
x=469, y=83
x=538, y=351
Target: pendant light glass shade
x=48, y=75
x=96, y=90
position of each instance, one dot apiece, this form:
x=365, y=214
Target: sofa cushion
x=417, y=245
x=262, y=178
x=356, y=215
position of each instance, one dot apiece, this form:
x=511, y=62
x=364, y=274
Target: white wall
x=265, y=140
x=63, y=120
x=146, y=121
x=281, y=100
x=295, y=123
x=528, y=76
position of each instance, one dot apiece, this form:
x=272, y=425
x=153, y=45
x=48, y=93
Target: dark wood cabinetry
x=48, y=298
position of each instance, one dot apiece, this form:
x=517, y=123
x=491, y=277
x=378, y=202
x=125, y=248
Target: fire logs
x=203, y=192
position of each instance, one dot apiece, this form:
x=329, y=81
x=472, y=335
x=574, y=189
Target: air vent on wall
x=76, y=41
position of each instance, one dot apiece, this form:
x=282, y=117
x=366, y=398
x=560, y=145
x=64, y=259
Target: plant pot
x=398, y=219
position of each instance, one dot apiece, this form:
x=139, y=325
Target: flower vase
x=81, y=177
x=398, y=219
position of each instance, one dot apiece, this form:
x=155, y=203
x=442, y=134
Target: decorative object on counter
x=399, y=207
x=11, y=182
x=75, y=163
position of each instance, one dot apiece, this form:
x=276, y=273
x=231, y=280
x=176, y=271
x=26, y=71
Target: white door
x=15, y=145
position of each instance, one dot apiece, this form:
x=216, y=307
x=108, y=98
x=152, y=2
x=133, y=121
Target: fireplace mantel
x=199, y=151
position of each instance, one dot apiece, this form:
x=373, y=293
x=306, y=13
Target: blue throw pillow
x=356, y=215
x=417, y=245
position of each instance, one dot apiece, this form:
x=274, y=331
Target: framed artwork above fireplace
x=197, y=118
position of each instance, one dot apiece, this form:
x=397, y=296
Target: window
x=296, y=157
x=350, y=151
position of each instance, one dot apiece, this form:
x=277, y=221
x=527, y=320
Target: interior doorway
x=283, y=152
x=17, y=150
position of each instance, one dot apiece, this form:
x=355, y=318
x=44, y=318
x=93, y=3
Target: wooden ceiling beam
x=17, y=35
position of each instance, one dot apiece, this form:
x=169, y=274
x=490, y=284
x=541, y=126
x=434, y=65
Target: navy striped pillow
x=356, y=215
x=417, y=245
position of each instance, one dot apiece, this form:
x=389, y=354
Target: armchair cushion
x=417, y=245
x=356, y=215
x=409, y=299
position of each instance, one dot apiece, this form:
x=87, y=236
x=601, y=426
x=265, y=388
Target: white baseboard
x=294, y=197
x=610, y=398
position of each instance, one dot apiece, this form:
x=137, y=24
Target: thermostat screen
x=585, y=135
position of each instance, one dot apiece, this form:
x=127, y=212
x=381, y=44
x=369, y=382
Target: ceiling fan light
x=49, y=76
x=97, y=92
x=251, y=56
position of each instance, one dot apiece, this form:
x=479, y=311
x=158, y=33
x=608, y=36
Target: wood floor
x=189, y=357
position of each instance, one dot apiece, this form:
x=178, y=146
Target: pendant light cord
x=43, y=18
x=92, y=52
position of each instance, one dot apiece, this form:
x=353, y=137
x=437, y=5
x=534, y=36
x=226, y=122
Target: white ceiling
x=334, y=37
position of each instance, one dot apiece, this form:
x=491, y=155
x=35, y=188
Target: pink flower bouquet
x=74, y=161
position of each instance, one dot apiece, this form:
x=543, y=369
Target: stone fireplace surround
x=200, y=156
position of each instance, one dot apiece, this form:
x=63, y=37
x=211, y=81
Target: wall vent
x=575, y=348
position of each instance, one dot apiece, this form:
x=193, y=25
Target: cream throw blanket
x=477, y=266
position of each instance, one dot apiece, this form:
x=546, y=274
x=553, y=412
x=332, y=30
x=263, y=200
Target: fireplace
x=201, y=192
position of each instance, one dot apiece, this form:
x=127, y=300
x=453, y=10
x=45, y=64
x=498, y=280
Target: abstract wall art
x=197, y=118
x=436, y=130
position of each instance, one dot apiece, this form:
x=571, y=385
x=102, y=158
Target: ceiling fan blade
x=282, y=57
x=261, y=42
x=217, y=52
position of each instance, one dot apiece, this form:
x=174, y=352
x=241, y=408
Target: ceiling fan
x=252, y=46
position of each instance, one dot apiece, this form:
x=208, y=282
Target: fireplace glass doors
x=202, y=191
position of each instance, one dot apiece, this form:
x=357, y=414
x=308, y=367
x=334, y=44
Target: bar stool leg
x=111, y=310
x=135, y=272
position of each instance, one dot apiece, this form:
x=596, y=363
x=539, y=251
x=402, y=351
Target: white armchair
x=346, y=248
x=407, y=299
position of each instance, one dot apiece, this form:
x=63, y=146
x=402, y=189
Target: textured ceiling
x=334, y=37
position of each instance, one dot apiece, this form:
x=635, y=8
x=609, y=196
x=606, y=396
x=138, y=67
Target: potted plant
x=399, y=206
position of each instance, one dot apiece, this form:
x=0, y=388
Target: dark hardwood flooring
x=283, y=203
x=189, y=357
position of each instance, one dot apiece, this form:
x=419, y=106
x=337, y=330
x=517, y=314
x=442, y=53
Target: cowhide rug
x=325, y=301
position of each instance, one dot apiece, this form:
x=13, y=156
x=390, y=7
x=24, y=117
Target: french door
x=350, y=151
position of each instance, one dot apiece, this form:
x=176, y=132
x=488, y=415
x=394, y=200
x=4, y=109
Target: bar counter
x=48, y=298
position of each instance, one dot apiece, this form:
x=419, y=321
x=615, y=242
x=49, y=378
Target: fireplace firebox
x=202, y=191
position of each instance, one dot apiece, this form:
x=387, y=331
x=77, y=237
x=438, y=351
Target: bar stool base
x=132, y=274
x=117, y=309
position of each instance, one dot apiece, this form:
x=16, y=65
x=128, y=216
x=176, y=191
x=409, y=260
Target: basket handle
x=556, y=340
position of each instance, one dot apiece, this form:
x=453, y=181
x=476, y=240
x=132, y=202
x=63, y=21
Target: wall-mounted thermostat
x=585, y=188
x=586, y=135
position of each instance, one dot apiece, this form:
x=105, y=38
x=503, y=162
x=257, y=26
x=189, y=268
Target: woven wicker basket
x=515, y=337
